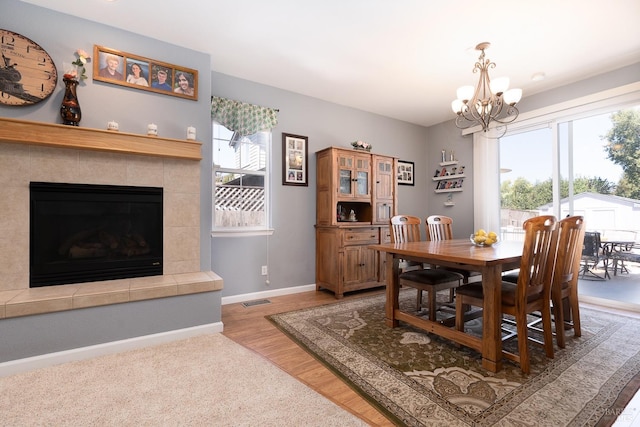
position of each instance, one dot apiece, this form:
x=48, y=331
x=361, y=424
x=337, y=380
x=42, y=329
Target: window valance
x=246, y=119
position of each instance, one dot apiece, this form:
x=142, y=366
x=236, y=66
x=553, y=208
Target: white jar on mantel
x=191, y=133
x=152, y=130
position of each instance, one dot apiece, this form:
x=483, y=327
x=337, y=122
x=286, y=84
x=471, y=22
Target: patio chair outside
x=592, y=255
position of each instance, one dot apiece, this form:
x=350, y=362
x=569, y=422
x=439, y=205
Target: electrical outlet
x=265, y=271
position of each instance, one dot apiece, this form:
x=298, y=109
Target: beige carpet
x=201, y=381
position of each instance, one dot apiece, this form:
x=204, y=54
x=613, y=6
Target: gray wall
x=290, y=251
x=60, y=35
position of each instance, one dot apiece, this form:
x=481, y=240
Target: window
x=241, y=178
x=241, y=167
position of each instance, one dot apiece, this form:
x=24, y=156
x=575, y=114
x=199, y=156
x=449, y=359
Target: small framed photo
x=295, y=166
x=406, y=172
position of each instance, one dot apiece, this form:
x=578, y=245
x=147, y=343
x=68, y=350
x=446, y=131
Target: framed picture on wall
x=294, y=160
x=405, y=172
x=126, y=69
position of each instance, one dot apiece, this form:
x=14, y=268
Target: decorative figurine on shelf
x=352, y=216
x=361, y=145
x=452, y=156
x=461, y=170
x=444, y=155
x=437, y=174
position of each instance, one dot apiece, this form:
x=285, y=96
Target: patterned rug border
x=620, y=387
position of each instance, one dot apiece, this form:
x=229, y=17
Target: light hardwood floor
x=249, y=327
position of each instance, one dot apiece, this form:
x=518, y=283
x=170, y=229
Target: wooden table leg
x=492, y=319
x=393, y=289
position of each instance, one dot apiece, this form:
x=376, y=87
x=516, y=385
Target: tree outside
x=623, y=148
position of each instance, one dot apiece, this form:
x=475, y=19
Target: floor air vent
x=256, y=302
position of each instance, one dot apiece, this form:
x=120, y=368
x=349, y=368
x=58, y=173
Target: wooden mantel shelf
x=55, y=135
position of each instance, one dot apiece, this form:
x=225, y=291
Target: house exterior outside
x=615, y=217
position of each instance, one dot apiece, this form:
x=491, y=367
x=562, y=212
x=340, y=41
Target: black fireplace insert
x=84, y=233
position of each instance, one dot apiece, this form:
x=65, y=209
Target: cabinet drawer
x=385, y=235
x=360, y=236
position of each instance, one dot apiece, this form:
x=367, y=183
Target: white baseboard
x=266, y=294
x=30, y=363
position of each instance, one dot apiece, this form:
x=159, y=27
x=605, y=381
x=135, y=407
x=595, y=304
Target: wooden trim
x=56, y=135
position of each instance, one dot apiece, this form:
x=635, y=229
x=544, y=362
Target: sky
x=529, y=154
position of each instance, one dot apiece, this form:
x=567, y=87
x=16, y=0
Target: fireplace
x=84, y=233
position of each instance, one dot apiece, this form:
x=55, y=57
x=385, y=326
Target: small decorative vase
x=70, y=108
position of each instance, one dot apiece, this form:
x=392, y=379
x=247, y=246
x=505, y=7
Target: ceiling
x=401, y=59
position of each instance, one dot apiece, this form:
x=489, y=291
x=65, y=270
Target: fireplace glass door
x=85, y=233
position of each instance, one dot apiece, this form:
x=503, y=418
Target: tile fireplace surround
x=32, y=151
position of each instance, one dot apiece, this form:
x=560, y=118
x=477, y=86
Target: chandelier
x=490, y=102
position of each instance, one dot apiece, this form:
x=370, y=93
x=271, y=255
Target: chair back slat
x=536, y=266
x=439, y=227
x=405, y=228
x=570, y=238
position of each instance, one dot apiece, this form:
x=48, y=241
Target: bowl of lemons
x=483, y=238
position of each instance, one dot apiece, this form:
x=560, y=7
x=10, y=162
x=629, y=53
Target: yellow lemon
x=492, y=234
x=480, y=239
x=489, y=241
x=481, y=232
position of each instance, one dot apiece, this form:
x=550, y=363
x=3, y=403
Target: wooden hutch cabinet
x=355, y=198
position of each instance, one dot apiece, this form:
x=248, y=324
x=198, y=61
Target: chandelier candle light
x=491, y=100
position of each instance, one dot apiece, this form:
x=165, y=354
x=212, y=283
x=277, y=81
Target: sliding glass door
x=565, y=167
x=561, y=168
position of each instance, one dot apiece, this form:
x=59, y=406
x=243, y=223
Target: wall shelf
x=448, y=190
x=56, y=135
x=452, y=162
x=450, y=177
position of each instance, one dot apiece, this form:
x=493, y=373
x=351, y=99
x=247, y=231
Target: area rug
x=419, y=379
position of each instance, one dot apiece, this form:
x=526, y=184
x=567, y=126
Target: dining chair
x=440, y=227
x=406, y=228
x=565, y=276
x=564, y=285
x=531, y=293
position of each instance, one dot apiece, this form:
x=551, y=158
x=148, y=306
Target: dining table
x=490, y=261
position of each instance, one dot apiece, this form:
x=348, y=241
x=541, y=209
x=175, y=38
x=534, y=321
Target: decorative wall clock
x=27, y=72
